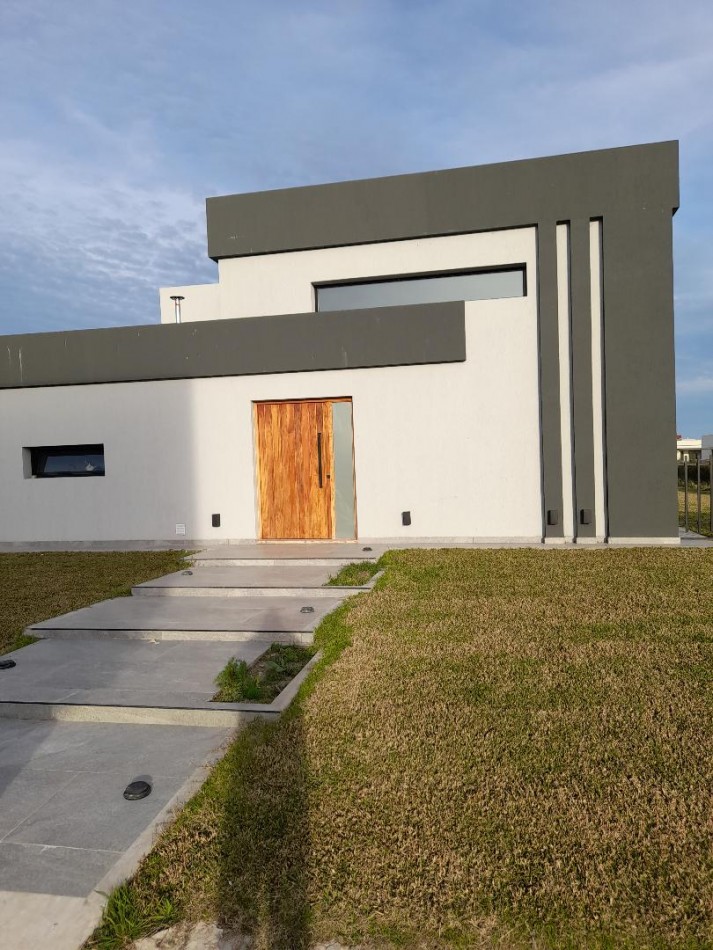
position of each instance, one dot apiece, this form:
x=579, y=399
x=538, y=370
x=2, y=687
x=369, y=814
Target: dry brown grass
x=38, y=586
x=515, y=750
x=693, y=510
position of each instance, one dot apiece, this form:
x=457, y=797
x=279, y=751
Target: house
x=346, y=374
x=688, y=450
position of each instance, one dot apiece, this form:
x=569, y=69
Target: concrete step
x=284, y=554
x=187, y=618
x=305, y=638
x=280, y=581
x=306, y=553
x=140, y=683
x=218, y=717
x=109, y=681
x=305, y=593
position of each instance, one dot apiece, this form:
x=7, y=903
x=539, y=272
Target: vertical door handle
x=319, y=458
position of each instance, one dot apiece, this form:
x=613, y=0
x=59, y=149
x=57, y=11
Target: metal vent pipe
x=177, y=305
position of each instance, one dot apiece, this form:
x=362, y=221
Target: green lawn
x=265, y=678
x=38, y=586
x=354, y=575
x=500, y=749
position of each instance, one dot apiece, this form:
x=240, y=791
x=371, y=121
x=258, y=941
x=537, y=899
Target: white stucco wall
x=202, y=302
x=283, y=283
x=178, y=451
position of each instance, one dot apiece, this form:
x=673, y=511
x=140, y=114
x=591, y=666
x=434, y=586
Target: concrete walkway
x=120, y=691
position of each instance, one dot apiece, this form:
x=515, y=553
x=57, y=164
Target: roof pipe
x=177, y=306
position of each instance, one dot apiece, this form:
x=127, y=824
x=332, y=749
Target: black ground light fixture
x=306, y=610
x=136, y=790
x=367, y=549
x=7, y=664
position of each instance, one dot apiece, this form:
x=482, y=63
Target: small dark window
x=67, y=461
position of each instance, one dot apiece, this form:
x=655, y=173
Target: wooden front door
x=295, y=484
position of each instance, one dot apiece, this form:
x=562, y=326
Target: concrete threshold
x=207, y=561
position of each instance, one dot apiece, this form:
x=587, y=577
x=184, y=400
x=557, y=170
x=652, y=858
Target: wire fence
x=695, y=512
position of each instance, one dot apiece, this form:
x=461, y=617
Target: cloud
x=119, y=119
x=95, y=237
x=697, y=384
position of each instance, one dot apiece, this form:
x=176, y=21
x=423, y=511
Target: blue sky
x=117, y=119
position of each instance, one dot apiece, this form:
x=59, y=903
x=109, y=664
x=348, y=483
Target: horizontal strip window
x=490, y=284
x=65, y=461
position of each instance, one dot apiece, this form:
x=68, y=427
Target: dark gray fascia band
x=292, y=343
x=454, y=201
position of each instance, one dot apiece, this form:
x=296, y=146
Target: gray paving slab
x=99, y=747
x=65, y=822
x=70, y=872
x=115, y=672
x=279, y=575
x=23, y=792
x=161, y=698
x=90, y=812
x=263, y=614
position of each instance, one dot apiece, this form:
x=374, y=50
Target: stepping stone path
x=153, y=657
x=119, y=692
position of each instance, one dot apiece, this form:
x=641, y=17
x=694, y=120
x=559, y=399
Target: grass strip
x=693, y=511
x=37, y=586
x=515, y=749
x=354, y=575
x=265, y=678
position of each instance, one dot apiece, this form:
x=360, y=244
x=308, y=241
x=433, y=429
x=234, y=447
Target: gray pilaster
x=640, y=377
x=548, y=338
x=581, y=309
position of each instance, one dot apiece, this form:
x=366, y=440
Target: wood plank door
x=294, y=448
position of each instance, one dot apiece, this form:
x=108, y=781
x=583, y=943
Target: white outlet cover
x=180, y=529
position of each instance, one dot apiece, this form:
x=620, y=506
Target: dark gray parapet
x=292, y=343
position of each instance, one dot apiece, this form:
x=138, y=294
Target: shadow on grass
x=262, y=886
x=240, y=851
x=265, y=855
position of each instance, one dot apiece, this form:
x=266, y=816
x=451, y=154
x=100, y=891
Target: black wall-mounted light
x=215, y=520
x=406, y=517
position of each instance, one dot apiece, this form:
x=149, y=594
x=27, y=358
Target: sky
x=118, y=119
